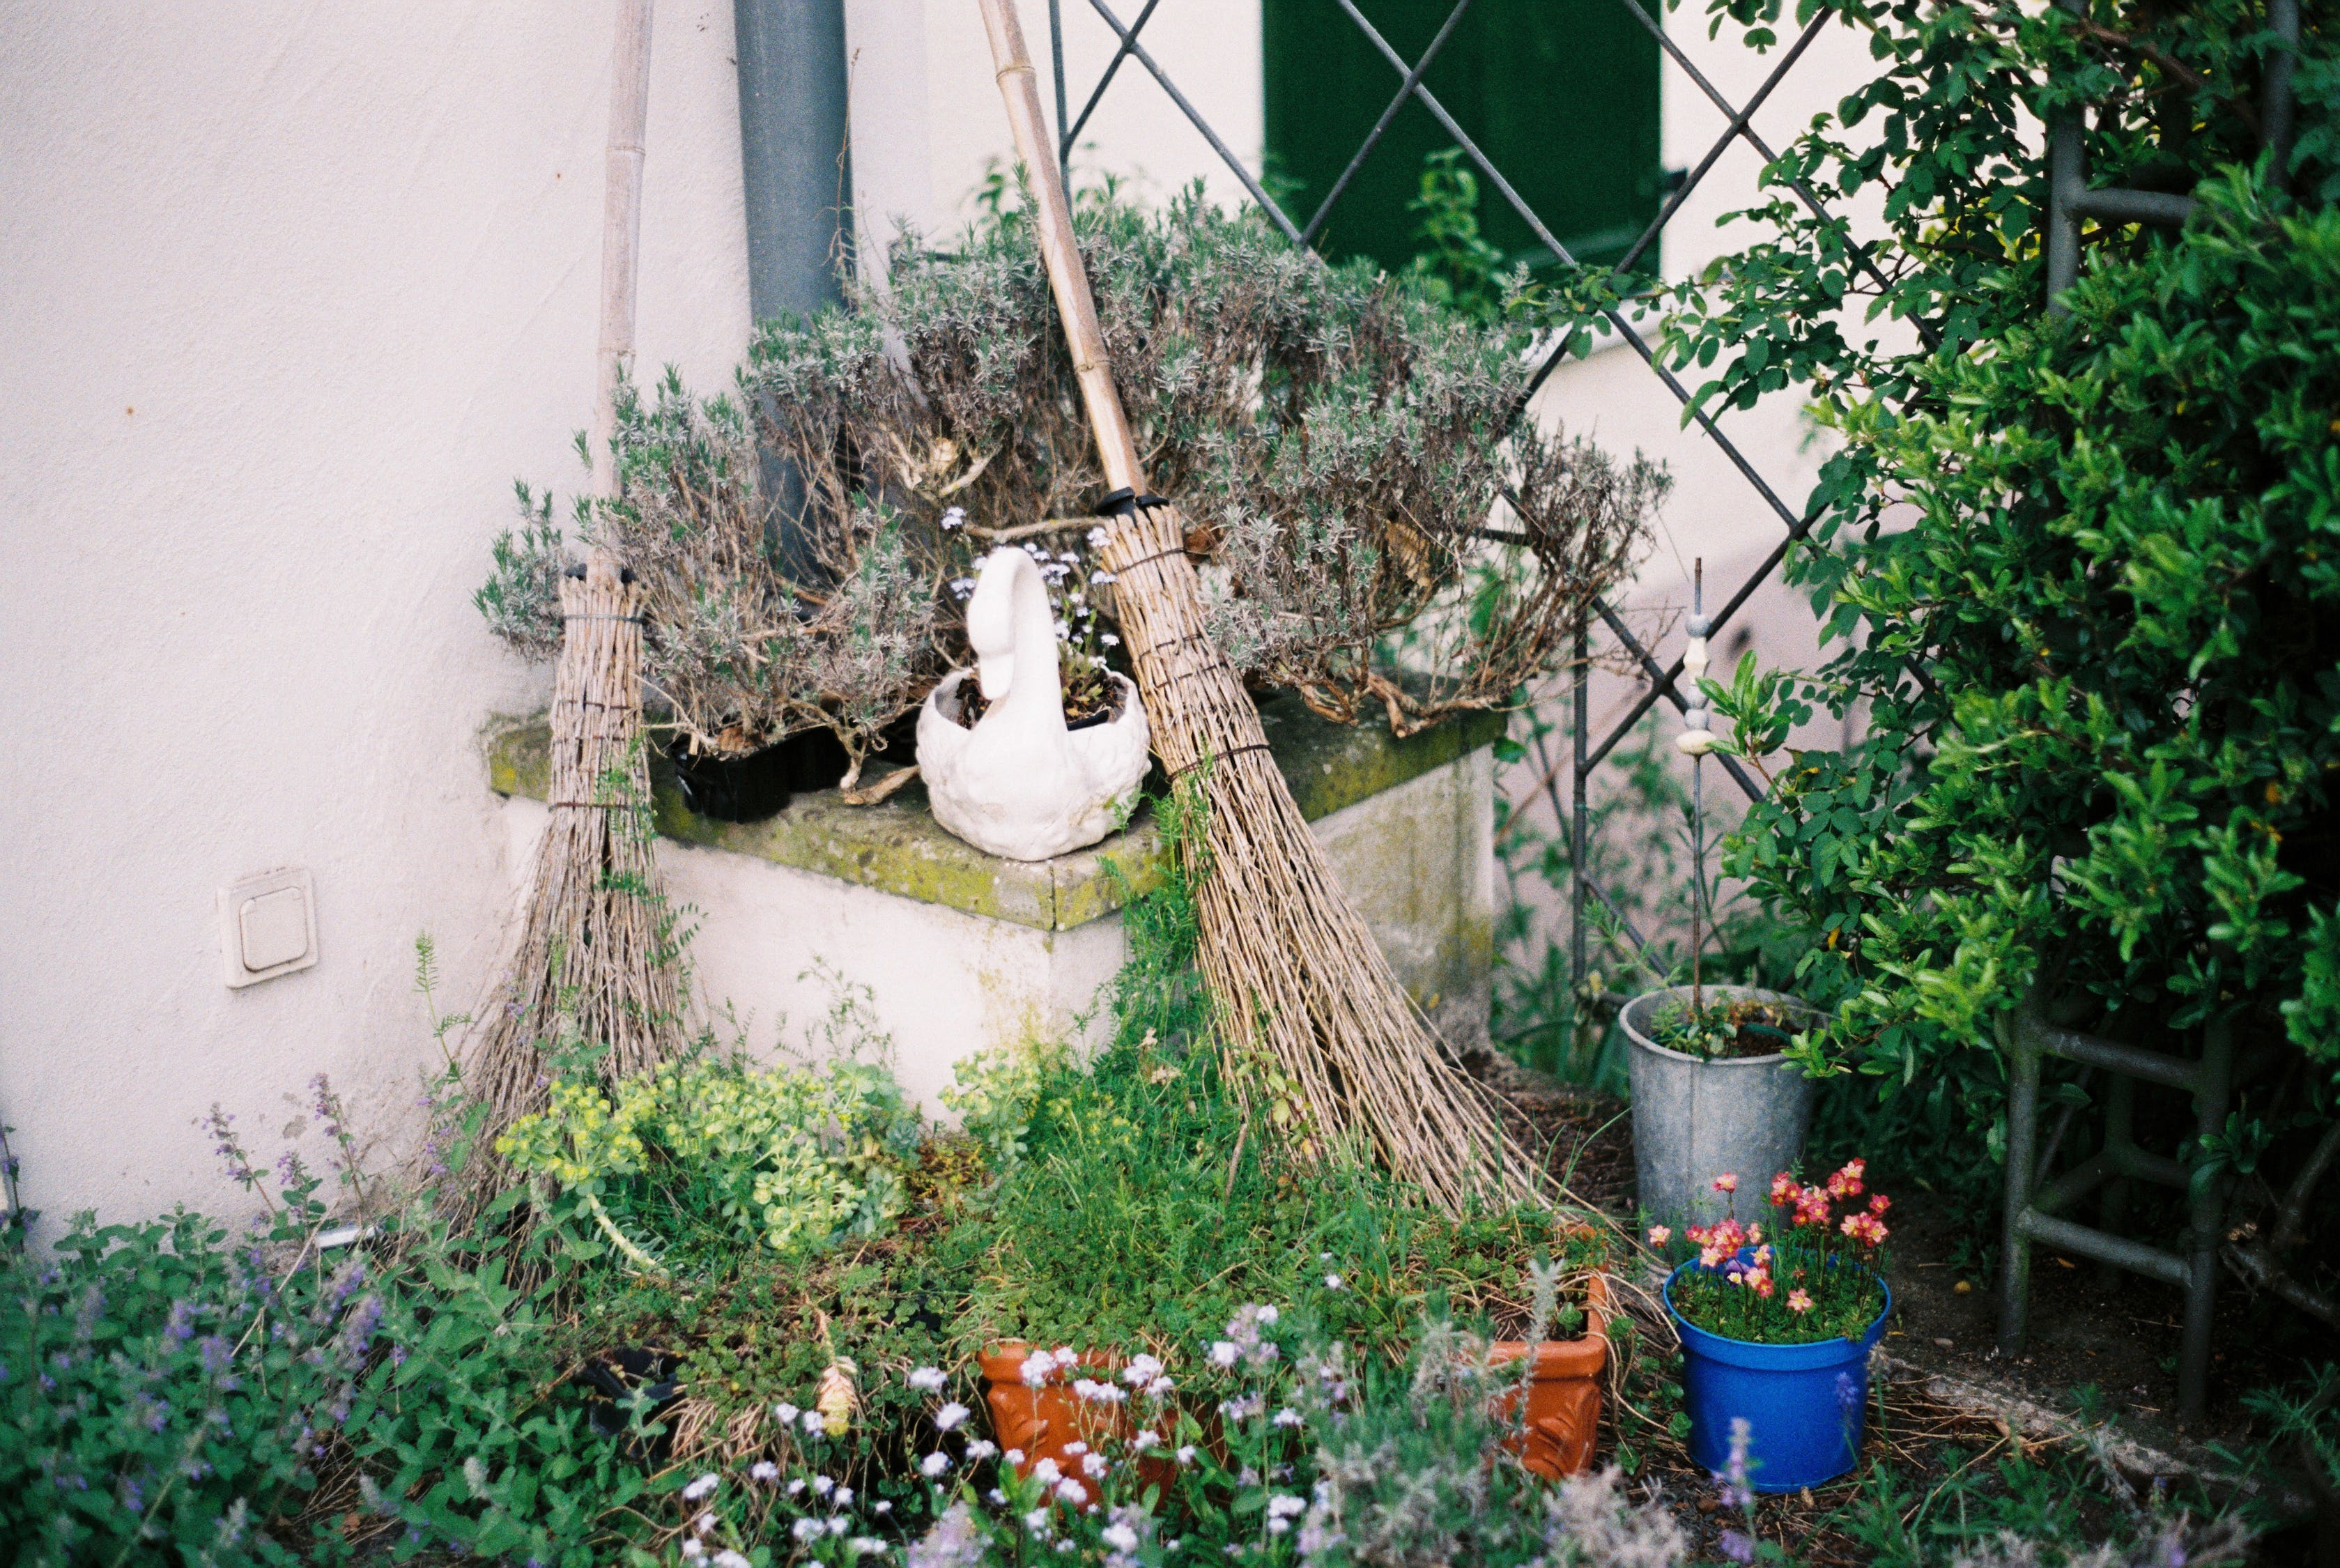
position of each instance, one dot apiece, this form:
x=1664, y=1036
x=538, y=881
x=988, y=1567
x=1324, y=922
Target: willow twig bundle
x=595, y=961
x=1291, y=964
x=594, y=969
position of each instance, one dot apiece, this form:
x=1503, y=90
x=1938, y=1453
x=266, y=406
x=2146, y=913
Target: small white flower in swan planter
x=1019, y=783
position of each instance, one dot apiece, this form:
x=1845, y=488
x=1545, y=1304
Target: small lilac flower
x=950, y=1416
x=699, y=1488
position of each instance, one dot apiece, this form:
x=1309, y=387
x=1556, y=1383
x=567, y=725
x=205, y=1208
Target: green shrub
x=1339, y=436
x=176, y=1391
x=2081, y=568
x=1147, y=1194
x=166, y=1392
x=718, y=1151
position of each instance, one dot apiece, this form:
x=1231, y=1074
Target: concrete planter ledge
x=958, y=951
x=896, y=846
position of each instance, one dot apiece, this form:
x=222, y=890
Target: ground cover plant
x=526, y=1391
x=1200, y=1153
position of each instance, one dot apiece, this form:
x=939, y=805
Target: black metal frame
x=2033, y=1201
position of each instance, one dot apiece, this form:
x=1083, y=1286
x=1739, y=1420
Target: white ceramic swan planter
x=1019, y=785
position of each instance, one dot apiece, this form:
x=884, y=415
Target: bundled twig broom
x=594, y=969
x=1289, y=961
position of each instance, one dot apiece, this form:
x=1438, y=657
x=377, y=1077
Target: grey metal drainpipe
x=794, y=156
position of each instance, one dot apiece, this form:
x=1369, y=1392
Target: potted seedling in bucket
x=1713, y=1086
x=1777, y=1323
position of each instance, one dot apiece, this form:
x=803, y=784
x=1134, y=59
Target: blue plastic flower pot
x=1803, y=1403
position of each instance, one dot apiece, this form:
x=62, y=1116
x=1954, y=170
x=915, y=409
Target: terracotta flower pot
x=1041, y=1423
x=1563, y=1417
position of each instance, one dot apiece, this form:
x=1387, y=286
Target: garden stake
x=1697, y=739
x=1290, y=963
x=593, y=967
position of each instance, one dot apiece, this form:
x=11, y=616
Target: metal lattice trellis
x=1658, y=681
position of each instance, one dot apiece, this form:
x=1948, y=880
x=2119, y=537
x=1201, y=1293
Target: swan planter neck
x=1019, y=784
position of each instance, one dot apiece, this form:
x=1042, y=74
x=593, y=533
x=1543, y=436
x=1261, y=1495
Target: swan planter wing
x=1019, y=783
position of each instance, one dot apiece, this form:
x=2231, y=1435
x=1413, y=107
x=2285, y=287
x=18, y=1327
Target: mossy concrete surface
x=956, y=951
x=898, y=848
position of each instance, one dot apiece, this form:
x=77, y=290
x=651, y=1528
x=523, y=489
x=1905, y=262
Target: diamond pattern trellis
x=1660, y=681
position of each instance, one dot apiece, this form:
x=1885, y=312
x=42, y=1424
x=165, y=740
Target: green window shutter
x=1561, y=95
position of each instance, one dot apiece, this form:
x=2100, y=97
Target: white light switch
x=268, y=925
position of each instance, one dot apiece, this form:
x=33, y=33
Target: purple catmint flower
x=180, y=1326
x=214, y=1352
x=358, y=1330
x=346, y=1280
x=92, y=1307
x=1736, y=1545
x=1732, y=1481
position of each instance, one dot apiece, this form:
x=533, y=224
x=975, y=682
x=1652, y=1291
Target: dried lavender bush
x=740, y=650
x=1341, y=443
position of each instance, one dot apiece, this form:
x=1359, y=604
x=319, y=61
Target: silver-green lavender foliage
x=742, y=645
x=1340, y=443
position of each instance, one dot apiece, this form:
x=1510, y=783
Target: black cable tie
x=1121, y=502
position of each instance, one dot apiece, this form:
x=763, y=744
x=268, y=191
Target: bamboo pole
x=1292, y=965
x=621, y=226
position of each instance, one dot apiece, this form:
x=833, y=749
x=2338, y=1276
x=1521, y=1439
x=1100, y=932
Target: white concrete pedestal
x=959, y=952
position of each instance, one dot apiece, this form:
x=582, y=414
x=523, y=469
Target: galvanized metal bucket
x=1695, y=1120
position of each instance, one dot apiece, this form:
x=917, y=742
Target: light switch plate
x=268, y=925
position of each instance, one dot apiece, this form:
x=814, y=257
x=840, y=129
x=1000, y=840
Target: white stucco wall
x=288, y=295
x=928, y=123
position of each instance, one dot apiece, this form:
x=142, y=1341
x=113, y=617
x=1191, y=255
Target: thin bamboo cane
x=1291, y=964
x=594, y=969
x=621, y=226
